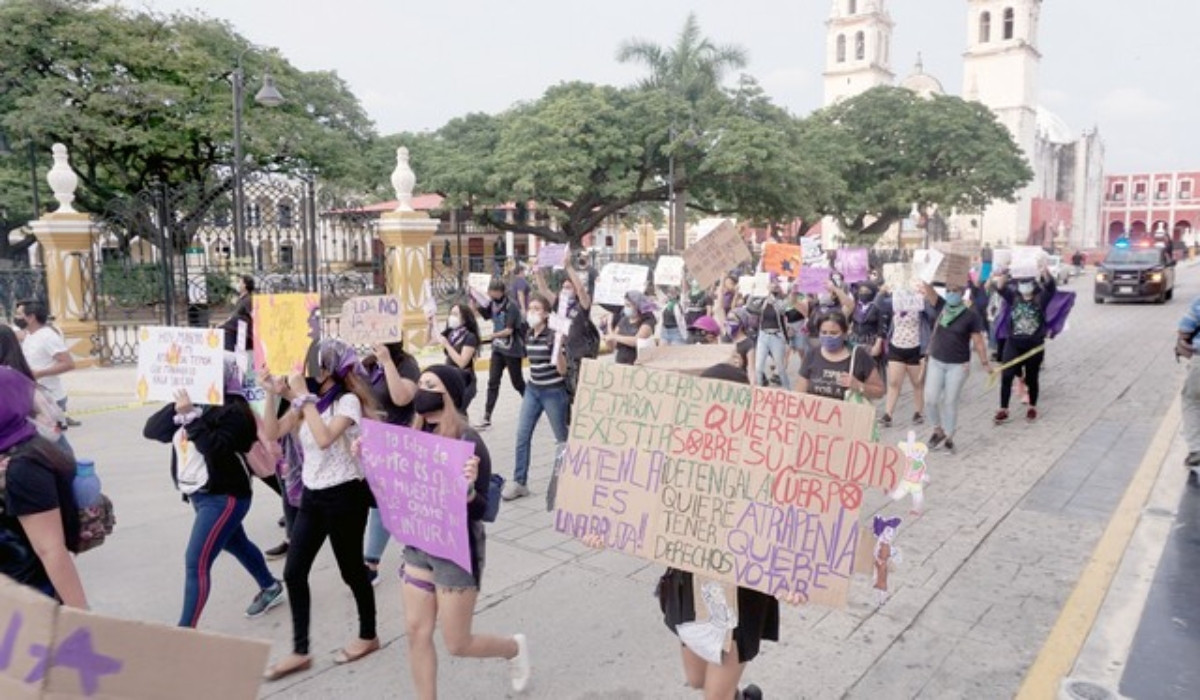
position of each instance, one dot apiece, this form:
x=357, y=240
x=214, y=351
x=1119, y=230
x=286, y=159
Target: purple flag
x=419, y=486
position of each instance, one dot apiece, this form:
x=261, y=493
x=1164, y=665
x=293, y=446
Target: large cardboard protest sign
x=782, y=259
x=956, y=270
x=618, y=278
x=370, y=320
x=419, y=487
x=714, y=256
x=750, y=486
x=687, y=359
x=284, y=326
x=171, y=359
x=52, y=652
x=668, y=271
x=853, y=263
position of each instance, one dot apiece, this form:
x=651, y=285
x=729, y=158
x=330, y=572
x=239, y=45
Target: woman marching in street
x=325, y=413
x=460, y=342
x=835, y=368
x=39, y=521
x=437, y=589
x=546, y=392
x=908, y=340
x=1027, y=301
x=392, y=375
x=208, y=467
x=949, y=361
x=633, y=330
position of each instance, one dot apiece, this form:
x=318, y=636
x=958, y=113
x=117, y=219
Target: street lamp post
x=267, y=96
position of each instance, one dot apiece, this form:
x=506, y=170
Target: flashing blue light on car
x=1121, y=243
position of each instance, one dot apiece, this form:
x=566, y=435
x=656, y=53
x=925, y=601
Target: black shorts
x=905, y=356
x=758, y=613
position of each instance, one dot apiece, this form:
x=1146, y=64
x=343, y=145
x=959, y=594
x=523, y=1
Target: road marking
x=1057, y=656
x=107, y=409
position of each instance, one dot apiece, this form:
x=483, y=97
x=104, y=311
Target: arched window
x=985, y=27
x=860, y=46
x=851, y=7
x=1010, y=20
x=841, y=48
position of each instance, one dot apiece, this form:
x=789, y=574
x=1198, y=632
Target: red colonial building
x=1144, y=204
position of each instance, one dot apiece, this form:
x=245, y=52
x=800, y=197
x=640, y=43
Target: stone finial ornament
x=63, y=180
x=403, y=180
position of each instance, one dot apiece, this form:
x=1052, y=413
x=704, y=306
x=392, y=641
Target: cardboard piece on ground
x=927, y=265
x=668, y=271
x=714, y=256
x=782, y=259
x=284, y=326
x=1026, y=260
x=477, y=286
x=170, y=359
x=686, y=359
x=370, y=320
x=552, y=255
x=418, y=484
x=956, y=270
x=652, y=452
x=813, y=279
x=853, y=263
x=618, y=278
x=104, y=657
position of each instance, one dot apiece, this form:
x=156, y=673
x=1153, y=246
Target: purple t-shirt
x=518, y=286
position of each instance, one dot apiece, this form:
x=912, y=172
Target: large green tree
x=141, y=98
x=896, y=149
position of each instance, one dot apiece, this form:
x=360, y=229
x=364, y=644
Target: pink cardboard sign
x=813, y=279
x=853, y=264
x=419, y=487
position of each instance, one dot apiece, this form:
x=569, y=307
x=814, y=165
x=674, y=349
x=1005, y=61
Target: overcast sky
x=414, y=65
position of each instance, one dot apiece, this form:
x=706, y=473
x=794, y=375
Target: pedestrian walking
x=1025, y=331
x=49, y=419
x=545, y=393
x=519, y=289
x=438, y=591
x=39, y=519
x=208, y=448
x=633, y=330
x=582, y=341
x=1187, y=346
x=46, y=352
x=508, y=349
x=460, y=343
x=243, y=313
x=907, y=344
x=949, y=361
x=324, y=417
x=835, y=368
x=674, y=324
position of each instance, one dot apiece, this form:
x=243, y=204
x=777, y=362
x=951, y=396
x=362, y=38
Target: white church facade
x=1061, y=206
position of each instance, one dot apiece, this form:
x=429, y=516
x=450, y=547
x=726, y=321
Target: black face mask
x=428, y=402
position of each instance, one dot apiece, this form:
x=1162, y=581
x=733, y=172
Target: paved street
x=1011, y=522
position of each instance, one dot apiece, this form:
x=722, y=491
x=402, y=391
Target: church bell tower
x=858, y=46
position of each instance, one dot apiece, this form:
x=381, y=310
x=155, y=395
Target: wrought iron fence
x=18, y=284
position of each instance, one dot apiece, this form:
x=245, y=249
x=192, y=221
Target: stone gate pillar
x=65, y=237
x=406, y=235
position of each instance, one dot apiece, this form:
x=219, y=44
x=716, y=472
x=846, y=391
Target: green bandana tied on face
x=950, y=313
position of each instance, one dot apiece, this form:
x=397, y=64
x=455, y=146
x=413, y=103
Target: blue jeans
x=377, y=537
x=943, y=388
x=772, y=345
x=218, y=526
x=538, y=399
x=673, y=336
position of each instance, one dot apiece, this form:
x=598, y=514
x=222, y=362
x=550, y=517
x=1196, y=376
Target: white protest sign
x=668, y=272
x=477, y=286
x=762, y=284
x=898, y=276
x=191, y=359
x=618, y=278
x=370, y=320
x=907, y=300
x=1002, y=258
x=745, y=285
x=926, y=264
x=1026, y=260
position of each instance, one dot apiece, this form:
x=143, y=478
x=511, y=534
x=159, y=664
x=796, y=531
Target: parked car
x=1056, y=268
x=1135, y=273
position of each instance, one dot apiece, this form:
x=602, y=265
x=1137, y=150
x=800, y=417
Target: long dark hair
x=11, y=354
x=469, y=321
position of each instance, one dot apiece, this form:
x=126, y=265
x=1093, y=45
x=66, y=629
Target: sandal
x=283, y=669
x=345, y=656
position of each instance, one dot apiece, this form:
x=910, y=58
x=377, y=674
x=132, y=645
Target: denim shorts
x=447, y=574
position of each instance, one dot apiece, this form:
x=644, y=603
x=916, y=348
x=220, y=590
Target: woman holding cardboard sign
x=438, y=588
x=834, y=369
x=325, y=412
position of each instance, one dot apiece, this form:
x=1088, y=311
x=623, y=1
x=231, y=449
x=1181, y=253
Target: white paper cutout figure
x=915, y=474
x=885, y=554
x=707, y=639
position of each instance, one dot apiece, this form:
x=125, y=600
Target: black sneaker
x=949, y=445
x=282, y=521
x=1193, y=459
x=918, y=419
x=936, y=439
x=266, y=599
x=752, y=692
x=484, y=424
x=72, y=423
x=277, y=552
x=885, y=421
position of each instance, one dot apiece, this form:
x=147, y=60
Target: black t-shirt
x=627, y=354
x=459, y=339
x=697, y=306
x=744, y=346
x=866, y=323
x=771, y=319
x=952, y=344
x=397, y=415
x=822, y=374
x=505, y=315
x=32, y=488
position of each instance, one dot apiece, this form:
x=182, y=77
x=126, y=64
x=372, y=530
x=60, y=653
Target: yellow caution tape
x=108, y=409
x=994, y=376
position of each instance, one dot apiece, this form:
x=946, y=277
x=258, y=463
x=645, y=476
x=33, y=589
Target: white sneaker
x=519, y=669
x=513, y=491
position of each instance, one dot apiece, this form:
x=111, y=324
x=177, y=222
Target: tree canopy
x=142, y=98
x=898, y=149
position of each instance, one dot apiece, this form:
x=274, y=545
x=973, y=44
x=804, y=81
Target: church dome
x=921, y=82
x=1052, y=127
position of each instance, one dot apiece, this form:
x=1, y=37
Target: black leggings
x=496, y=373
x=339, y=513
x=1028, y=370
x=289, y=511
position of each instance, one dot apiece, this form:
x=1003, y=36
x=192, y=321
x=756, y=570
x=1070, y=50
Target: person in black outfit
x=460, y=343
x=508, y=347
x=243, y=312
x=1027, y=300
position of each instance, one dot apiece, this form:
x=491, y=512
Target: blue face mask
x=832, y=343
x=954, y=298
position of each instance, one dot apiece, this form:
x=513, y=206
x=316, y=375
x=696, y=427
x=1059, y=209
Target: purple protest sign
x=418, y=484
x=552, y=255
x=853, y=264
x=812, y=280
